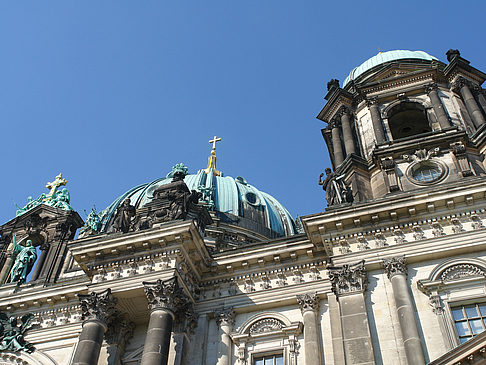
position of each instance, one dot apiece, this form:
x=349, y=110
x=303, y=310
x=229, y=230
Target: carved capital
x=459, y=83
x=225, y=317
x=371, y=101
x=308, y=302
x=165, y=294
x=335, y=122
x=98, y=306
x=431, y=87
x=395, y=266
x=458, y=148
x=348, y=278
x=388, y=163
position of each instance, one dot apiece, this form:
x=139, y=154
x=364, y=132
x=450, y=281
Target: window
x=408, y=119
x=470, y=320
x=426, y=172
x=269, y=360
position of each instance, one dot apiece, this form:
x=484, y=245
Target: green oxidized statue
x=178, y=168
x=12, y=334
x=24, y=260
x=93, y=222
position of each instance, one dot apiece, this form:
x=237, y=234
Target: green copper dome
x=233, y=201
x=385, y=57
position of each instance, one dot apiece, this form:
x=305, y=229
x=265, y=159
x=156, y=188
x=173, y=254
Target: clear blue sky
x=113, y=93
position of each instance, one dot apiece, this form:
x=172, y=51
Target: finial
x=212, y=158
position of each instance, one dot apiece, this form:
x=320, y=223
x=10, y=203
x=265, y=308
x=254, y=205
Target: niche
x=408, y=119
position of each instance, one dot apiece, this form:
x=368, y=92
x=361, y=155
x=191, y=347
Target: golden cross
x=214, y=140
x=59, y=181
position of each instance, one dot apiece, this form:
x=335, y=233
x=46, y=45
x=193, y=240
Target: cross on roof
x=214, y=140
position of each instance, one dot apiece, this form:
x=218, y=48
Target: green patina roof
x=385, y=57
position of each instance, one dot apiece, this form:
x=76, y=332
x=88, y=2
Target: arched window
x=408, y=119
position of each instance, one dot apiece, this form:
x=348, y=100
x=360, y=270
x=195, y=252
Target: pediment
x=394, y=71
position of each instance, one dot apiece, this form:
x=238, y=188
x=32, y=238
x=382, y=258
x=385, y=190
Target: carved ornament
x=225, y=317
x=395, y=266
x=266, y=325
x=98, y=306
x=308, y=302
x=348, y=278
x=462, y=271
x=165, y=294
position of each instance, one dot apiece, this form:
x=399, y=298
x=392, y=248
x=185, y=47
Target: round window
x=426, y=172
x=251, y=198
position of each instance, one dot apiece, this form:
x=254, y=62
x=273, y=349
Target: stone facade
x=378, y=279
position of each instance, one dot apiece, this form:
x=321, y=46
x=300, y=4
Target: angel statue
x=12, y=334
x=25, y=257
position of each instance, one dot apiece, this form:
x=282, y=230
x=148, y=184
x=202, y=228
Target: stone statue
x=12, y=334
x=336, y=190
x=123, y=216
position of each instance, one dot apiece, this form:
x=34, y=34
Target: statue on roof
x=336, y=190
x=92, y=224
x=123, y=217
x=55, y=198
x=24, y=260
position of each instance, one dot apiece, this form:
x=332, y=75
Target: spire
x=212, y=158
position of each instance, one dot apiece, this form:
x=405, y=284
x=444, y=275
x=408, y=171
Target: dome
x=230, y=200
x=385, y=57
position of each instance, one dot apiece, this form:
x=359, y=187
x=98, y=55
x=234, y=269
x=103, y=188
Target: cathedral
x=206, y=269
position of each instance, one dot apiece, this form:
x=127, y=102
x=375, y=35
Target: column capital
x=165, y=294
x=431, y=87
x=225, y=316
x=335, y=122
x=395, y=266
x=98, y=306
x=371, y=101
x=308, y=302
x=348, y=279
x=459, y=83
x=343, y=109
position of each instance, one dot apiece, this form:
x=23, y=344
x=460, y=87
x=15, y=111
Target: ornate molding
x=462, y=271
x=348, y=278
x=308, y=302
x=395, y=266
x=266, y=325
x=166, y=294
x=98, y=306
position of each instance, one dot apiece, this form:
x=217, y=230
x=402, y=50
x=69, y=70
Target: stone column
x=165, y=299
x=349, y=284
x=225, y=319
x=347, y=133
x=98, y=309
x=376, y=120
x=336, y=142
x=481, y=98
x=396, y=270
x=120, y=331
x=309, y=305
x=336, y=329
x=442, y=117
x=40, y=262
x=462, y=86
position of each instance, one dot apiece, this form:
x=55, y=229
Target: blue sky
x=113, y=93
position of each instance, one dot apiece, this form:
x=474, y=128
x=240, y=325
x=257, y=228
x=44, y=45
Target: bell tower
x=404, y=120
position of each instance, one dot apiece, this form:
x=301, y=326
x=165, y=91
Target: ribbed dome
x=385, y=57
x=231, y=199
